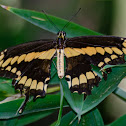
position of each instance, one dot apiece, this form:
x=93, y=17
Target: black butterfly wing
x=81, y=52
x=28, y=65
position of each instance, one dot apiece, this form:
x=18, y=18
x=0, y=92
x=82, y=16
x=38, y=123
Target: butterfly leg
x=85, y=95
x=24, y=103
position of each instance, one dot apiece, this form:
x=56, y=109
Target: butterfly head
x=61, y=35
x=61, y=39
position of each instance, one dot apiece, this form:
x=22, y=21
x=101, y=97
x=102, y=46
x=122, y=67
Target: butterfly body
x=60, y=63
x=60, y=53
x=29, y=64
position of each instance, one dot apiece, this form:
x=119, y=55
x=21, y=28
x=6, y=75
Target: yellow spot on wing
x=124, y=50
x=5, y=50
x=6, y=62
x=30, y=57
x=90, y=75
x=8, y=68
x=14, y=60
x=117, y=51
x=33, y=84
x=70, y=52
x=47, y=79
x=114, y=57
x=39, y=54
x=124, y=43
x=18, y=78
x=108, y=50
x=68, y=76
x=75, y=81
x=100, y=64
x=21, y=58
x=82, y=79
x=79, y=50
x=28, y=82
x=75, y=92
x=14, y=70
x=69, y=82
x=45, y=87
x=107, y=60
x=1, y=62
x=67, y=53
x=1, y=57
x=51, y=53
x=90, y=51
x=40, y=86
x=18, y=73
x=100, y=50
x=95, y=73
x=23, y=79
x=48, y=54
x=73, y=52
x=2, y=53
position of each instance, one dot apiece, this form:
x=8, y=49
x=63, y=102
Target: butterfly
x=29, y=64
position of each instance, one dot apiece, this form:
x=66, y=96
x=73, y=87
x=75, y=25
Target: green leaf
x=119, y=122
x=111, y=66
x=61, y=106
x=92, y=118
x=39, y=19
x=6, y=89
x=26, y=119
x=9, y=109
x=121, y=93
x=54, y=76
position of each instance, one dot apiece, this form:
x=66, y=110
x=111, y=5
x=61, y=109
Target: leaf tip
x=5, y=7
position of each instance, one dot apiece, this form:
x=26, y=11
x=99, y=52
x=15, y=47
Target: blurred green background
x=105, y=16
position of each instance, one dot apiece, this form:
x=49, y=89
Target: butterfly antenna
x=50, y=20
x=66, y=25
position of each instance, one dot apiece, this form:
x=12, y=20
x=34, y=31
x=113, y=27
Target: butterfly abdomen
x=60, y=63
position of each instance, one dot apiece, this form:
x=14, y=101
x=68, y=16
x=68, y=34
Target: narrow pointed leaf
x=39, y=19
x=121, y=93
x=26, y=119
x=92, y=118
x=119, y=122
x=9, y=109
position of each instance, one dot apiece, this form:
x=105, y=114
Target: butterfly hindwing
x=35, y=78
x=79, y=75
